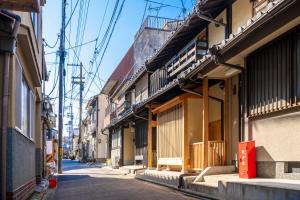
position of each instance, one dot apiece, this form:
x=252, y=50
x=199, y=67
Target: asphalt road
x=83, y=182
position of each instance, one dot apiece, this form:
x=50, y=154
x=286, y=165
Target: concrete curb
x=184, y=191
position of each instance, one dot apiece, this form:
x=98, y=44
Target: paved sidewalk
x=81, y=182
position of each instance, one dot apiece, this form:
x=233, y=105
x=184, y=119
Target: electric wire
x=104, y=51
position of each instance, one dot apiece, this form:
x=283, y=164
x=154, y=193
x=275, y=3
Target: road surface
x=83, y=182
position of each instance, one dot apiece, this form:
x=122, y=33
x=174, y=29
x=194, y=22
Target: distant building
x=128, y=145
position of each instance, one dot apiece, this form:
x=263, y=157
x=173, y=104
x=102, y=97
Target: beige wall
x=102, y=146
x=276, y=138
x=217, y=34
x=36, y=43
x=233, y=118
x=241, y=12
x=195, y=122
x=128, y=146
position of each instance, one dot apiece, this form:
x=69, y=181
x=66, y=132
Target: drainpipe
x=5, y=96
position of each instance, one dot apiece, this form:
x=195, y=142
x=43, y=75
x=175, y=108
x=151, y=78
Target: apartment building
x=226, y=74
x=23, y=71
x=94, y=141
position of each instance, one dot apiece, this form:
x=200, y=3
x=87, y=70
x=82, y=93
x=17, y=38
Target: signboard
x=49, y=145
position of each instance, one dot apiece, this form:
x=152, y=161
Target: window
x=273, y=75
x=116, y=139
x=25, y=105
x=35, y=23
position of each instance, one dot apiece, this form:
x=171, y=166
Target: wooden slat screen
x=141, y=133
x=273, y=75
x=158, y=80
x=170, y=132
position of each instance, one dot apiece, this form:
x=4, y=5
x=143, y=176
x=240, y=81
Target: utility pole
x=80, y=82
x=61, y=85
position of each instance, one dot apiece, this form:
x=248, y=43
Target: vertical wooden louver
x=170, y=131
x=273, y=75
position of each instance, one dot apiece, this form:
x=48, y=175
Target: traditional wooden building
x=211, y=85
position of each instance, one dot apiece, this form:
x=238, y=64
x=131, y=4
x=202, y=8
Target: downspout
x=5, y=98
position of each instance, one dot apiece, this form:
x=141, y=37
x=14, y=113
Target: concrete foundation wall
x=20, y=160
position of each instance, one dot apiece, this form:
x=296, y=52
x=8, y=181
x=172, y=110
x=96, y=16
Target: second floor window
x=25, y=105
x=116, y=139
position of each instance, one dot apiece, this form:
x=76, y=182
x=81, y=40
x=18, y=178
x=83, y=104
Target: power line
x=72, y=14
x=118, y=16
x=51, y=46
x=82, y=44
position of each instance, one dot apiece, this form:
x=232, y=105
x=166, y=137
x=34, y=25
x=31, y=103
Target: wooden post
x=150, y=138
x=205, y=121
x=226, y=121
x=185, y=139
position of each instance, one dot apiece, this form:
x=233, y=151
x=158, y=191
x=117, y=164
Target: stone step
x=216, y=178
x=163, y=177
x=205, y=188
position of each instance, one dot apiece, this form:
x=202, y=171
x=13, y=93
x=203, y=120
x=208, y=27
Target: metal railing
x=159, y=23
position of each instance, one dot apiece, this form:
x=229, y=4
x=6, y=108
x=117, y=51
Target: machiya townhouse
x=227, y=73
x=25, y=115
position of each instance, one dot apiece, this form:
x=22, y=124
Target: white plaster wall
x=277, y=138
x=241, y=12
x=217, y=34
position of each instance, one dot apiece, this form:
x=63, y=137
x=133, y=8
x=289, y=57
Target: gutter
x=10, y=50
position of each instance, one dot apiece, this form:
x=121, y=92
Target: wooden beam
x=185, y=139
x=226, y=121
x=150, y=139
x=173, y=102
x=167, y=105
x=205, y=121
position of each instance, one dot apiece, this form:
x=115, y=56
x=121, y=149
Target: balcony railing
x=216, y=153
x=159, y=23
x=196, y=155
x=158, y=80
x=193, y=51
x=123, y=107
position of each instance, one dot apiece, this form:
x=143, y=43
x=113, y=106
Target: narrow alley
x=106, y=183
x=149, y=99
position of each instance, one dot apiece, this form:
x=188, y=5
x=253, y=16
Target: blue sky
x=122, y=38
